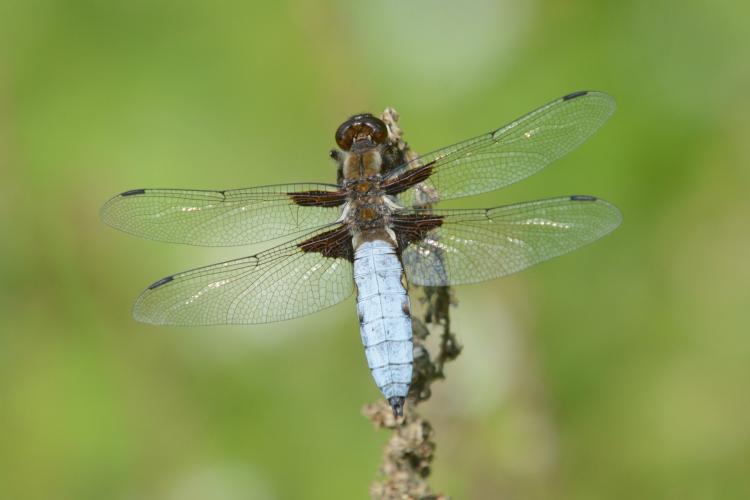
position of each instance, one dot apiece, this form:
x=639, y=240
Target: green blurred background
x=618, y=372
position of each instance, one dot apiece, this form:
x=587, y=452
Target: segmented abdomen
x=385, y=323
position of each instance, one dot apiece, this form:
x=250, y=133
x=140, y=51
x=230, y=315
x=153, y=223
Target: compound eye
x=379, y=130
x=360, y=127
x=345, y=136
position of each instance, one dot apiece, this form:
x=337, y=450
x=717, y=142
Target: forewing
x=467, y=246
x=281, y=283
x=223, y=218
x=510, y=153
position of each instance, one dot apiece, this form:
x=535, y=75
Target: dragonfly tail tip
x=397, y=404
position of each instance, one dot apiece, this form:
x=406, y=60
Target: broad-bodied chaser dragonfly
x=375, y=229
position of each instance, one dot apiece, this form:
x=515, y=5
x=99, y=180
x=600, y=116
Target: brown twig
x=410, y=450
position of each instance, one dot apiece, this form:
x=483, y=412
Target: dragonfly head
x=364, y=130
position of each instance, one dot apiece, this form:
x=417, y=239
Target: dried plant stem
x=410, y=450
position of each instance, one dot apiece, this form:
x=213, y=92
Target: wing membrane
x=222, y=218
x=510, y=153
x=477, y=245
x=281, y=283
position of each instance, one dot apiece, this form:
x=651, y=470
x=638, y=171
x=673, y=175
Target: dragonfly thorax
x=368, y=212
x=362, y=164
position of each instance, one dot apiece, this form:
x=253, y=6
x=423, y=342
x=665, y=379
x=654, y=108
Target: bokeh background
x=620, y=371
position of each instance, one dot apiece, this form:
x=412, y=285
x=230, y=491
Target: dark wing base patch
x=318, y=198
x=408, y=179
x=411, y=228
x=335, y=244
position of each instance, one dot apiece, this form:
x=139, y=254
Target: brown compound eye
x=361, y=127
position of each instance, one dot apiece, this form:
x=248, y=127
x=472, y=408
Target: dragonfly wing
x=467, y=246
x=510, y=153
x=284, y=282
x=223, y=218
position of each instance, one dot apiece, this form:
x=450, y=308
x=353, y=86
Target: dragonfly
x=375, y=230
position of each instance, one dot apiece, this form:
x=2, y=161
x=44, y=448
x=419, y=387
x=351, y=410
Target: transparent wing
x=281, y=283
x=223, y=218
x=510, y=153
x=477, y=245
